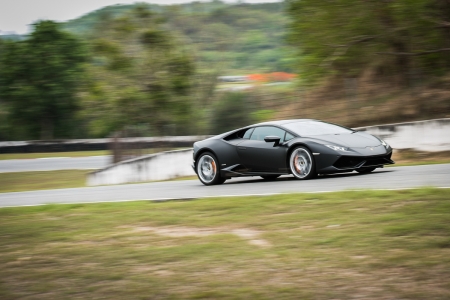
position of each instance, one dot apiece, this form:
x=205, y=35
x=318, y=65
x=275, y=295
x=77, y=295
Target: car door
x=260, y=156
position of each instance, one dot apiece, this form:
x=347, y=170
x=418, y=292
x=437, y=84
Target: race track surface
x=54, y=163
x=388, y=178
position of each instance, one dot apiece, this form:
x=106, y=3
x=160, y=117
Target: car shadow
x=287, y=178
x=353, y=174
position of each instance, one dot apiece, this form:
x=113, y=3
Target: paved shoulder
x=54, y=163
x=389, y=178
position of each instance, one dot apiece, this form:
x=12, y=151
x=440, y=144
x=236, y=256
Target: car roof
x=281, y=122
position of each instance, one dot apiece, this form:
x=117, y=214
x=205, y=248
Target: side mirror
x=272, y=139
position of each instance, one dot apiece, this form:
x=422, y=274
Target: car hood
x=350, y=140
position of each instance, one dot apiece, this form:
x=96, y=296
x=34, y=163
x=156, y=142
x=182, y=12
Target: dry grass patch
x=364, y=101
x=409, y=157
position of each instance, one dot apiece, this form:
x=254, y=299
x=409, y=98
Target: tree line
x=150, y=67
x=128, y=71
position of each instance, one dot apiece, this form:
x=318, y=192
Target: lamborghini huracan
x=302, y=147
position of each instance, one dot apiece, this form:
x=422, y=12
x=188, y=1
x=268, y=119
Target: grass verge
x=42, y=180
x=47, y=180
x=370, y=244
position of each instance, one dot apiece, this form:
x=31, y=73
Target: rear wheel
x=270, y=177
x=208, y=169
x=365, y=170
x=302, y=164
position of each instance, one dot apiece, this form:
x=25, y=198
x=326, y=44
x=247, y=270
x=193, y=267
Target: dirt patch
x=178, y=231
x=245, y=233
x=252, y=236
x=260, y=243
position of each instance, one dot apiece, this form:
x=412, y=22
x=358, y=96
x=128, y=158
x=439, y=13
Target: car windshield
x=309, y=128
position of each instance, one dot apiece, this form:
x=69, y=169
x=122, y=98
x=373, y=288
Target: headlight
x=337, y=148
x=386, y=145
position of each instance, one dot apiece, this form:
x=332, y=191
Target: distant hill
x=232, y=38
x=11, y=36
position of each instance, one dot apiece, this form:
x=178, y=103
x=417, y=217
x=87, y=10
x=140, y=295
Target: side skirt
x=240, y=171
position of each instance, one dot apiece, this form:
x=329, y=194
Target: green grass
x=53, y=154
x=369, y=244
x=28, y=181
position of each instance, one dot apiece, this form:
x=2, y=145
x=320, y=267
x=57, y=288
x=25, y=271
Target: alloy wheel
x=301, y=163
x=207, y=168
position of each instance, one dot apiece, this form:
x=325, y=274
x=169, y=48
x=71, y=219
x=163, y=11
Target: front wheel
x=302, y=164
x=207, y=169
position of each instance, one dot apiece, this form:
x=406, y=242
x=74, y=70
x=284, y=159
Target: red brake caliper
x=214, y=166
x=296, y=164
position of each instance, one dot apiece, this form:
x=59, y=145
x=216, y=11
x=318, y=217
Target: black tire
x=306, y=167
x=208, y=170
x=270, y=177
x=365, y=170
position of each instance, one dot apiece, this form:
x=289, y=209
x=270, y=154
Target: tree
x=346, y=36
x=39, y=80
x=143, y=77
x=231, y=111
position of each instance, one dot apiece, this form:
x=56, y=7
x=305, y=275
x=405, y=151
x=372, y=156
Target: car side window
x=261, y=132
x=247, y=133
x=288, y=137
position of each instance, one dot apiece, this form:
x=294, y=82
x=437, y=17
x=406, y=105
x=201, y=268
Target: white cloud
x=18, y=15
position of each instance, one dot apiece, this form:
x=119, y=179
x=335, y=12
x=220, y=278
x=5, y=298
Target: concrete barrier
x=430, y=135
x=159, y=166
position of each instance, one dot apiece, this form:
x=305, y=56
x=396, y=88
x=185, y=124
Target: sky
x=17, y=15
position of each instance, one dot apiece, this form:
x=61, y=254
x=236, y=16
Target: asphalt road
x=54, y=163
x=389, y=178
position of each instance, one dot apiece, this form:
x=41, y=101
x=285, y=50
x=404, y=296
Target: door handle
x=242, y=148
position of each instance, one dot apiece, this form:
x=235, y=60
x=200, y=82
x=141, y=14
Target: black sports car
x=300, y=147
